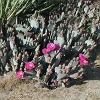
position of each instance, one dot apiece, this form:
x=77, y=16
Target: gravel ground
x=88, y=91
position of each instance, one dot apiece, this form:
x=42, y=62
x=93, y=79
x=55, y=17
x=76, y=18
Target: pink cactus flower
x=84, y=62
x=45, y=51
x=29, y=65
x=82, y=57
x=51, y=46
x=19, y=74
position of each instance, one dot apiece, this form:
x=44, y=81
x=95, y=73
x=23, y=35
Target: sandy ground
x=90, y=90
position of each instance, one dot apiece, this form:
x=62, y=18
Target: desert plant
x=10, y=9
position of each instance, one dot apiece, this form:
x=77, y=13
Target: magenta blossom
x=45, y=51
x=51, y=46
x=82, y=57
x=29, y=65
x=84, y=62
x=19, y=74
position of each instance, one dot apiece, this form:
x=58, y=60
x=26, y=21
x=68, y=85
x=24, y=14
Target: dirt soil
x=90, y=90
